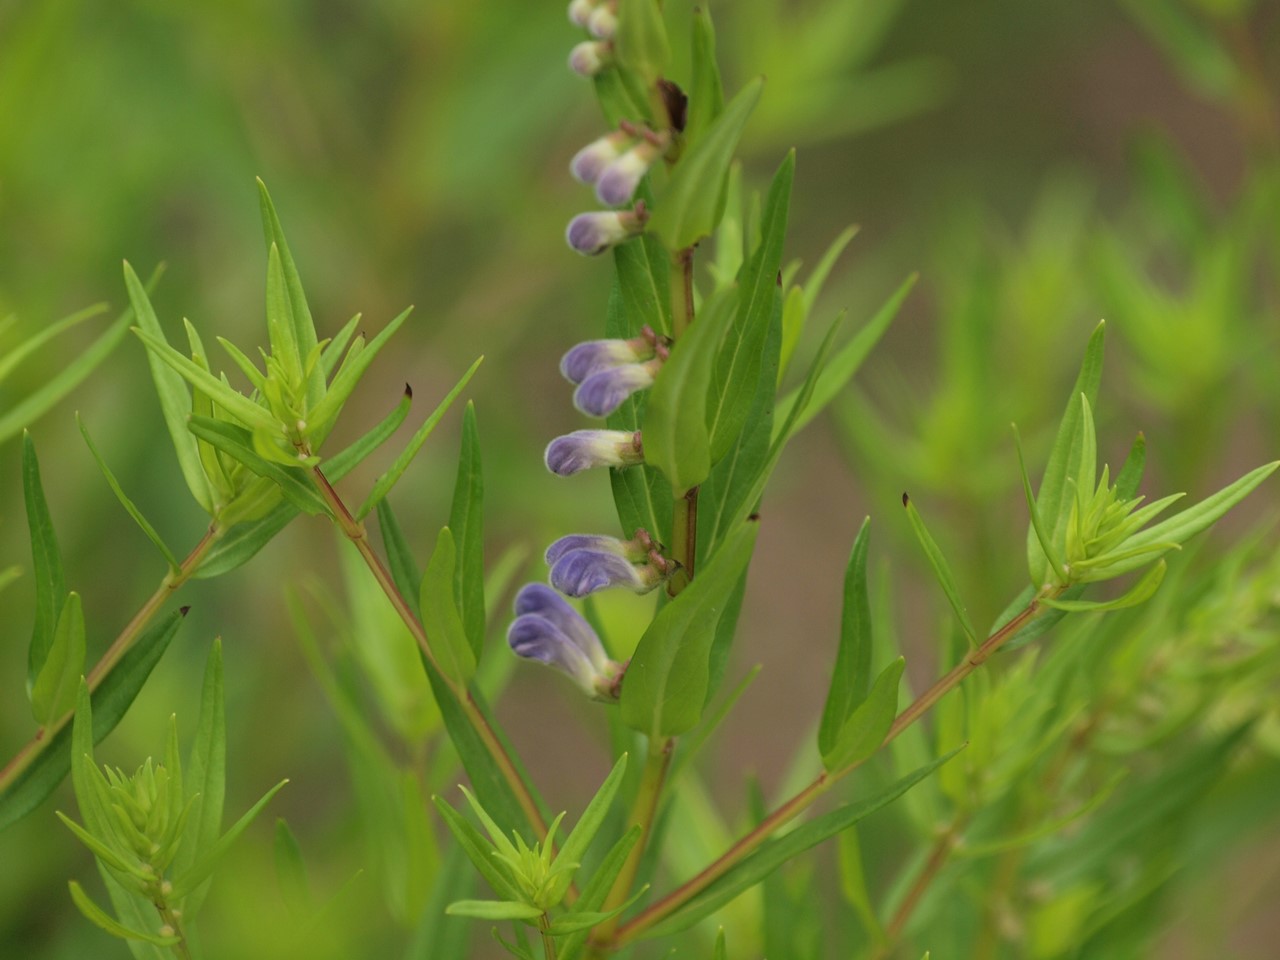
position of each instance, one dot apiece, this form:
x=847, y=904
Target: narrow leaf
x=941, y=570
x=493, y=910
x=46, y=563
x=466, y=521
x=690, y=206
x=447, y=637
x=99, y=917
x=1130, y=476
x=198, y=872
x=584, y=831
x=851, y=676
x=478, y=850
x=1140, y=592
x=206, y=775
x=640, y=41
x=706, y=94
x=865, y=730
x=325, y=413
x=291, y=872
x=54, y=690
x=304, y=331
x=665, y=690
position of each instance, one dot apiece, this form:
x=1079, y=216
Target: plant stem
x=937, y=859
x=548, y=941
x=355, y=532
x=170, y=919
x=684, y=520
x=643, y=812
x=172, y=580
x=663, y=908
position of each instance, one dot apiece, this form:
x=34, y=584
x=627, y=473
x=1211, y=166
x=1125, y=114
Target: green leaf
x=204, y=866
x=46, y=563
x=853, y=884
x=666, y=686
x=706, y=94
x=206, y=779
x=1140, y=592
x=941, y=569
x=1055, y=567
x=644, y=285
x=865, y=730
x=1054, y=498
x=280, y=331
x=675, y=419
x=324, y=414
x=740, y=361
x=479, y=851
x=851, y=676
x=14, y=357
x=692, y=203
x=333, y=349
x=493, y=910
x=595, y=890
x=836, y=374
x=54, y=691
x=447, y=637
x=291, y=872
x=237, y=442
x=588, y=825
x=753, y=869
x=129, y=506
x=382, y=486
x=640, y=40
x=1182, y=526
x=1130, y=476
x=175, y=401
x=466, y=521
x=303, y=330
x=99, y=917
x=21, y=414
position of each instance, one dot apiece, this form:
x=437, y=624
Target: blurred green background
x=1041, y=165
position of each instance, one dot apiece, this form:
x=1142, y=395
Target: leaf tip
x=408, y=392
x=906, y=500
x=183, y=610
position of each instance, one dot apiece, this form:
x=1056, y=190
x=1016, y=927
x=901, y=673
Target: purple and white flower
x=592, y=356
x=588, y=163
x=594, y=233
x=590, y=57
x=584, y=449
x=617, y=183
x=584, y=563
x=603, y=22
x=550, y=631
x=604, y=391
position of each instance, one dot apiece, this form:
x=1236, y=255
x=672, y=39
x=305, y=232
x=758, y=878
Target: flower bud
x=604, y=391
x=580, y=572
x=603, y=22
x=588, y=162
x=594, y=233
x=590, y=57
x=550, y=631
x=584, y=449
x=593, y=356
x=617, y=183
x=580, y=11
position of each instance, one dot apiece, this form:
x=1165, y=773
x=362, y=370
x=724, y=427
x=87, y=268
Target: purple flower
x=633, y=551
x=550, y=631
x=580, y=12
x=589, y=57
x=603, y=391
x=580, y=572
x=594, y=233
x=588, y=162
x=618, y=181
x=584, y=449
x=596, y=355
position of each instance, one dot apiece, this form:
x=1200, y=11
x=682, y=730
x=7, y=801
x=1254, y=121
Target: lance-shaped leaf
x=1054, y=498
x=1130, y=476
x=208, y=861
x=493, y=910
x=1140, y=592
x=941, y=569
x=303, y=331
x=693, y=201
x=675, y=420
x=54, y=690
x=440, y=617
x=175, y=401
x=862, y=734
x=100, y=918
x=206, y=776
x=640, y=43
x=478, y=850
x=666, y=683
x=644, y=285
x=382, y=486
x=46, y=563
x=851, y=676
x=324, y=414
x=280, y=329
x=466, y=521
x=15, y=357
x=588, y=825
x=291, y=872
x=130, y=507
x=752, y=870
x=740, y=360
x=595, y=890
x=706, y=94
x=110, y=700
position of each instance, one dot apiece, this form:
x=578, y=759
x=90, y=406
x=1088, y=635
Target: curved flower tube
x=605, y=390
x=584, y=449
x=548, y=630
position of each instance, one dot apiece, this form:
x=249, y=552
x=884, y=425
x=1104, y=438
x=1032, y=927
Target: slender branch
x=172, y=920
x=643, y=812
x=663, y=908
x=938, y=857
x=172, y=580
x=355, y=532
